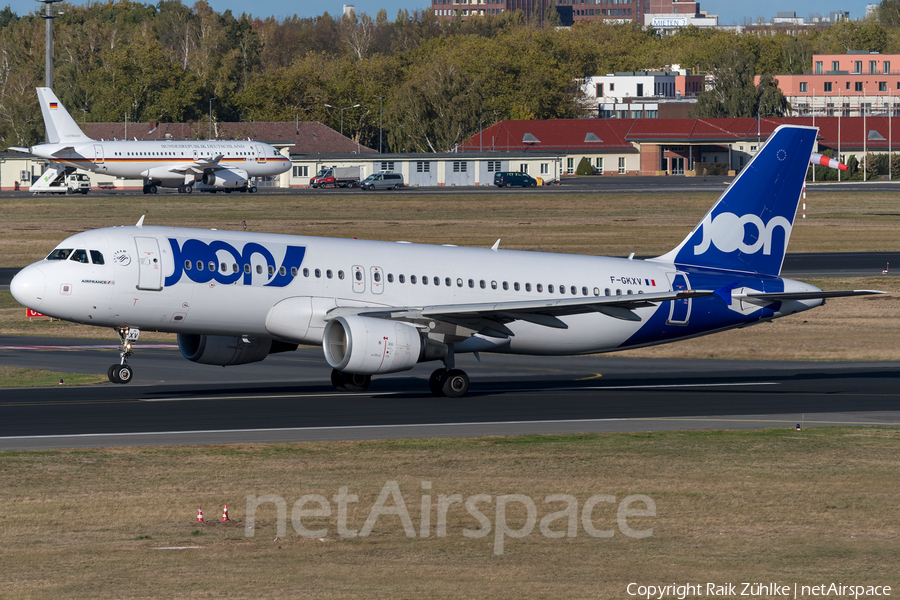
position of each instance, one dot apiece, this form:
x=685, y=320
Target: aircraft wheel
x=354, y=382
x=111, y=373
x=456, y=383
x=180, y=189
x=337, y=381
x=188, y=189
x=151, y=189
x=123, y=373
x=436, y=382
x=146, y=190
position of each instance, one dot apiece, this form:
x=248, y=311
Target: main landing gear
x=122, y=373
x=447, y=382
x=185, y=189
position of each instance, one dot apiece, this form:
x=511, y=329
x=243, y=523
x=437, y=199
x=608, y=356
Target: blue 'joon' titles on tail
x=749, y=227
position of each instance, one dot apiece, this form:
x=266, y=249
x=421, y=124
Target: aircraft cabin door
x=98, y=154
x=260, y=155
x=680, y=310
x=377, y=280
x=359, y=279
x=149, y=264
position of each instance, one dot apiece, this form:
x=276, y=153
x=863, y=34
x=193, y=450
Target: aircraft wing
x=199, y=166
x=490, y=318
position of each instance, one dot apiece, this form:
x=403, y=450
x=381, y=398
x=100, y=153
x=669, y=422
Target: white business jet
x=384, y=307
x=211, y=165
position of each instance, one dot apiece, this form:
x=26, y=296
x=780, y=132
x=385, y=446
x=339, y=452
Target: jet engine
x=226, y=350
x=365, y=345
x=226, y=178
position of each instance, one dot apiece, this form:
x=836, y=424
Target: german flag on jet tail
x=53, y=105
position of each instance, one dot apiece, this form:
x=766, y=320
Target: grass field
x=811, y=507
x=576, y=223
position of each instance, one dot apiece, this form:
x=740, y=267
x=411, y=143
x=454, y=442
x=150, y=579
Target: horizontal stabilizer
x=819, y=295
x=17, y=149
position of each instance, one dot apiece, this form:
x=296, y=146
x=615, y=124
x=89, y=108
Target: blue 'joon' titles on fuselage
x=198, y=252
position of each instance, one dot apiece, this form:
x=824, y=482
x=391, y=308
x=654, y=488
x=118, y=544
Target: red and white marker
x=821, y=159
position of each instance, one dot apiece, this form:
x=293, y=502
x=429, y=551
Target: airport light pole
x=210, y=115
x=380, y=120
x=342, y=114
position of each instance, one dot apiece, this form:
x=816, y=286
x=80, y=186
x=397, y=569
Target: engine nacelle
x=226, y=178
x=367, y=346
x=227, y=350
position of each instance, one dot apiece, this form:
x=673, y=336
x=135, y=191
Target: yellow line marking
x=594, y=376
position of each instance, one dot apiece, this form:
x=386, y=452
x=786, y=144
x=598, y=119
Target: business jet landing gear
x=449, y=381
x=150, y=189
x=185, y=189
x=350, y=382
x=122, y=373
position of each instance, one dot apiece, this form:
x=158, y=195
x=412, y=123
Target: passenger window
x=401, y=278
x=80, y=256
x=412, y=278
x=390, y=278
x=540, y=288
x=341, y=275
x=574, y=291
x=459, y=282
x=187, y=265
x=437, y=281
x=212, y=266
x=596, y=291
x=424, y=279
x=471, y=283
x=505, y=285
x=550, y=288
x=584, y=291
x=293, y=271
x=329, y=274
x=447, y=281
x=282, y=271
x=234, y=268
x=96, y=257
x=482, y=284
x=527, y=287
x=259, y=269
x=305, y=272
x=630, y=292
x=318, y=273
x=493, y=285
x=271, y=270
x=199, y=265
x=376, y=276
x=223, y=267
x=618, y=292
x=247, y=269
x=516, y=286
x=607, y=292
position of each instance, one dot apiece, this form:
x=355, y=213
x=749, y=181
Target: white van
x=382, y=181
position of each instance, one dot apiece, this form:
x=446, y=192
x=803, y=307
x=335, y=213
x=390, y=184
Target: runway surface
x=288, y=397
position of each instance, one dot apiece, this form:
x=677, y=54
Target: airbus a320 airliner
x=211, y=165
x=383, y=307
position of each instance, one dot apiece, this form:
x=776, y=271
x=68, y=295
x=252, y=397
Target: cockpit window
x=80, y=256
x=60, y=254
x=96, y=257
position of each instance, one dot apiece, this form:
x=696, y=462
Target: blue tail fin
x=748, y=229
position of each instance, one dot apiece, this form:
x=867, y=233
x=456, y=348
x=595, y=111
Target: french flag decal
x=651, y=282
x=54, y=105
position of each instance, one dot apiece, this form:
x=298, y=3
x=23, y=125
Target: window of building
x=612, y=87
x=858, y=86
x=570, y=165
x=818, y=67
x=460, y=166
x=599, y=90
x=887, y=67
x=493, y=166
x=835, y=65
x=640, y=89
x=301, y=171
x=621, y=165
x=600, y=165
x=423, y=166
x=545, y=168
x=882, y=86
x=803, y=87
x=387, y=166
x=827, y=86
x=873, y=67
x=857, y=66
x=523, y=168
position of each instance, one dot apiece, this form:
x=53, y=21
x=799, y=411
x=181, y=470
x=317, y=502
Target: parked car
x=382, y=181
x=511, y=178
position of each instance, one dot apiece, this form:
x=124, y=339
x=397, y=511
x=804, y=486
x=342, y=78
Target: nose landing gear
x=122, y=373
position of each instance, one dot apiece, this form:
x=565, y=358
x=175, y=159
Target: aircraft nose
x=27, y=287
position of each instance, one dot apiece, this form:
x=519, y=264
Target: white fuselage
x=228, y=283
x=156, y=159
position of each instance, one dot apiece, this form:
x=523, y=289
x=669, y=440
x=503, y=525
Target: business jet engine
x=226, y=178
x=368, y=346
x=227, y=350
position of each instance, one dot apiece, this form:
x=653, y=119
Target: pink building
x=849, y=84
